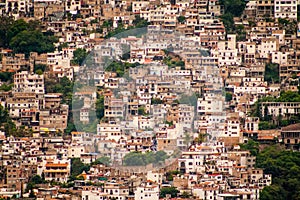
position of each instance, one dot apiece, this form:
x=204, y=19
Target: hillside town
x=149, y=100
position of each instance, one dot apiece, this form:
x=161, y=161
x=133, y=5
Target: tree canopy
x=5, y=87
x=181, y=19
x=142, y=159
x=6, y=76
x=232, y=8
x=168, y=190
x=24, y=37
x=120, y=67
x=251, y=146
x=6, y=123
x=102, y=160
x=284, y=166
x=100, y=106
x=139, y=22
x=77, y=167
x=63, y=85
x=272, y=73
x=79, y=55
x=32, y=41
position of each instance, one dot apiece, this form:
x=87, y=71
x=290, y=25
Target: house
x=14, y=62
x=227, y=52
x=25, y=82
x=290, y=136
x=55, y=170
x=285, y=9
x=155, y=177
x=264, y=8
x=147, y=191
x=56, y=118
x=283, y=109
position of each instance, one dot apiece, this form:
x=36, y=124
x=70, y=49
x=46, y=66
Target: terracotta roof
x=56, y=165
x=265, y=137
x=76, y=133
x=292, y=127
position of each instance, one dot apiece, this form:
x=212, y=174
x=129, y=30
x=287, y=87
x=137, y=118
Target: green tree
x=185, y=195
x=39, y=72
x=5, y=87
x=63, y=45
x=181, y=19
x=160, y=156
x=5, y=24
x=251, y=146
x=107, y=23
x=70, y=127
x=32, y=41
x=139, y=22
x=31, y=194
x=77, y=167
x=141, y=159
x=62, y=85
x=103, y=160
x=79, y=55
x=6, y=123
x=155, y=101
x=33, y=181
x=284, y=166
x=37, y=179
x=288, y=96
x=141, y=110
x=272, y=73
x=16, y=27
x=228, y=96
x=234, y=7
x=168, y=190
x=266, y=125
x=228, y=22
x=241, y=33
x=134, y=159
x=289, y=26
x=100, y=107
x=40, y=67
x=275, y=192
x=9, y=28
x=190, y=100
x=6, y=76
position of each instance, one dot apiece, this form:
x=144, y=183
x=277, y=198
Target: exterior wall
x=75, y=151
x=281, y=108
x=285, y=9
x=147, y=193
x=25, y=82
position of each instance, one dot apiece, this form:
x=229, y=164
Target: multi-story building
x=17, y=8
x=264, y=8
x=148, y=191
x=55, y=170
x=109, y=130
x=14, y=62
x=26, y=82
x=285, y=9
x=275, y=109
x=227, y=52
x=55, y=119
x=290, y=136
